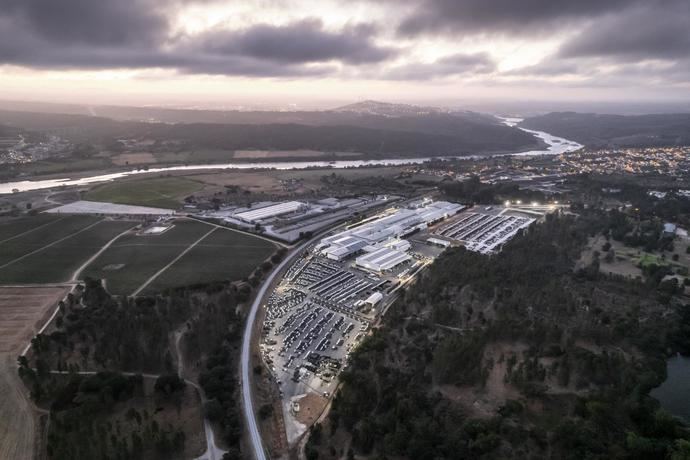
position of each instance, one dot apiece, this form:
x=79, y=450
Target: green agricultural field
x=41, y=235
x=647, y=259
x=57, y=263
x=223, y=255
x=158, y=192
x=13, y=227
x=131, y=260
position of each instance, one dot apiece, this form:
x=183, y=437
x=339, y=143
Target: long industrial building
x=256, y=215
x=382, y=259
x=384, y=234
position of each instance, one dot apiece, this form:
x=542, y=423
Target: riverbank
x=555, y=146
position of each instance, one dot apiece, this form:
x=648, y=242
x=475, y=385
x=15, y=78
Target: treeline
x=583, y=348
x=440, y=134
x=85, y=423
x=473, y=190
x=94, y=330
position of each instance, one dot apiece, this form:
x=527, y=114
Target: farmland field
x=134, y=258
x=13, y=228
x=158, y=192
x=58, y=262
x=224, y=255
x=22, y=311
x=41, y=236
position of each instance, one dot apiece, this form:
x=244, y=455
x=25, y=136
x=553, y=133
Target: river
x=674, y=393
x=556, y=146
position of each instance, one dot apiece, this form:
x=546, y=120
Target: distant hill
x=387, y=109
x=597, y=130
x=413, y=132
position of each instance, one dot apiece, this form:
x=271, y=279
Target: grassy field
x=134, y=258
x=41, y=236
x=58, y=262
x=224, y=255
x=160, y=192
x=647, y=259
x=14, y=227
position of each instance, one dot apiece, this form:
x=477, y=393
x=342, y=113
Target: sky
x=305, y=54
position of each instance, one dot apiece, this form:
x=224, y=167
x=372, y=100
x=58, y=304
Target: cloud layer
x=602, y=42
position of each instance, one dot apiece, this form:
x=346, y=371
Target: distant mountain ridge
x=387, y=109
x=374, y=129
x=601, y=130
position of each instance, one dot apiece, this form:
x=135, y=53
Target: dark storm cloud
x=108, y=34
x=303, y=41
x=521, y=17
x=448, y=66
x=96, y=22
x=650, y=31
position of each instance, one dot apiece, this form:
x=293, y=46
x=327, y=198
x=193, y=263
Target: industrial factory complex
x=339, y=286
x=290, y=220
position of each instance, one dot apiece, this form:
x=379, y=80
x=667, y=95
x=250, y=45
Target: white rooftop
x=97, y=207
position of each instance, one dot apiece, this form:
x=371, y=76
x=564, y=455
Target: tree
x=169, y=384
x=265, y=411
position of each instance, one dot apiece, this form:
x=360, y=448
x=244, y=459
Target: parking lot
x=483, y=232
x=319, y=313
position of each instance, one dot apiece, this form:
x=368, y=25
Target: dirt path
x=50, y=244
x=75, y=275
x=179, y=256
x=17, y=420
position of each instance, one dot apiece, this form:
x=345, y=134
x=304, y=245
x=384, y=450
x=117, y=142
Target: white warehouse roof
x=382, y=259
x=374, y=298
x=269, y=211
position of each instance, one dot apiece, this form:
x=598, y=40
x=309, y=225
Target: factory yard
x=331, y=296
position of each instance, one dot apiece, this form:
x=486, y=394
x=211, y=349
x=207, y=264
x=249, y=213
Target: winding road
x=247, y=403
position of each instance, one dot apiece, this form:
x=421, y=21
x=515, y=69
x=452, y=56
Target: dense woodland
x=579, y=350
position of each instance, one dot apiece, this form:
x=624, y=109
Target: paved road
x=247, y=403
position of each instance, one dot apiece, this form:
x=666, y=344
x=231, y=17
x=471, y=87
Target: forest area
x=561, y=360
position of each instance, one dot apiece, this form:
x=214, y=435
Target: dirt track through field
x=160, y=272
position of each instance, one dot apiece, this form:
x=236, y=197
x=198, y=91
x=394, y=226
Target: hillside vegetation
x=596, y=130
x=515, y=356
x=378, y=135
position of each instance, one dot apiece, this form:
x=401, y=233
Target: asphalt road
x=247, y=403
